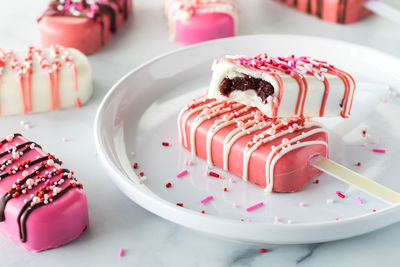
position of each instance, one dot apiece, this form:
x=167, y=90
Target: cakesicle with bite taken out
x=42, y=205
x=284, y=86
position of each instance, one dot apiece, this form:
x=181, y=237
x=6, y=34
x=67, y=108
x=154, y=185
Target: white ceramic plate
x=140, y=112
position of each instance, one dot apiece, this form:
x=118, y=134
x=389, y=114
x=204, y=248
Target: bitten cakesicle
x=37, y=80
x=284, y=86
x=42, y=205
x=337, y=11
x=194, y=21
x=272, y=153
x=84, y=25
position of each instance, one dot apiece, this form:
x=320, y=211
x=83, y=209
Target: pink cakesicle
x=272, y=153
x=42, y=206
x=337, y=11
x=82, y=25
x=198, y=21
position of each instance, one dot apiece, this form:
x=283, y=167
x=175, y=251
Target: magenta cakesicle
x=84, y=25
x=194, y=21
x=270, y=152
x=42, y=206
x=337, y=11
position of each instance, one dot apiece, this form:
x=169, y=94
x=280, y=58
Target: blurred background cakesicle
x=37, y=80
x=195, y=21
x=84, y=25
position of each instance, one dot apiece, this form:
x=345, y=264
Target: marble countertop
x=115, y=221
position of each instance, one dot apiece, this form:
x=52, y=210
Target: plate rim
x=150, y=203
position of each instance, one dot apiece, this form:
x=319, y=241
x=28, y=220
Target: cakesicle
x=284, y=86
x=39, y=80
x=337, y=11
x=84, y=25
x=272, y=153
x=197, y=21
x=42, y=206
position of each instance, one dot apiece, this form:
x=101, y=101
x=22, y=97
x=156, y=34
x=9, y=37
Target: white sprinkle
x=329, y=201
x=289, y=221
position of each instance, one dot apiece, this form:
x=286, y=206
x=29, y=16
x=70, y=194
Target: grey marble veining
x=116, y=222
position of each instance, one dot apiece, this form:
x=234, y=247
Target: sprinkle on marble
x=302, y=204
x=188, y=162
x=359, y=200
x=182, y=173
x=179, y=204
x=225, y=189
x=263, y=250
x=379, y=150
x=213, y=174
x=235, y=205
x=165, y=144
x=376, y=142
x=329, y=201
x=204, y=201
x=121, y=253
x=374, y=210
x=289, y=221
x=135, y=165
x=384, y=100
x=141, y=174
x=316, y=181
x=231, y=180
x=358, y=164
x=168, y=185
x=28, y=126
x=256, y=206
x=364, y=133
x=64, y=140
x=132, y=153
x=203, y=211
x=340, y=194
x=277, y=219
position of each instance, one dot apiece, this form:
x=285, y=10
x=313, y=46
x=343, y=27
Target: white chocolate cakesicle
x=284, y=86
x=38, y=80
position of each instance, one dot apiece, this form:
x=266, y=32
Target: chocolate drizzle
x=263, y=88
x=46, y=194
x=341, y=13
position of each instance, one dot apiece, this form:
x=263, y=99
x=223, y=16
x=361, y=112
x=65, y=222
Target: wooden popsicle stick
x=346, y=175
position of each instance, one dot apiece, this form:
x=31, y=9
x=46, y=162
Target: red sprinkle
x=203, y=211
x=225, y=189
x=340, y=195
x=373, y=210
x=364, y=132
x=263, y=250
x=179, y=204
x=358, y=164
x=214, y=174
x=168, y=185
x=135, y=165
x=165, y=143
x=141, y=174
x=316, y=181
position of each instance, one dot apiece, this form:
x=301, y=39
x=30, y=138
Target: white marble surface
x=116, y=222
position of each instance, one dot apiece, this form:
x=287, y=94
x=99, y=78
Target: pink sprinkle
x=338, y=192
x=277, y=219
x=376, y=142
x=64, y=139
x=179, y=175
x=301, y=204
x=27, y=126
x=204, y=201
x=258, y=205
x=377, y=150
x=121, y=252
x=385, y=100
x=188, y=162
x=360, y=200
x=364, y=145
x=235, y=205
